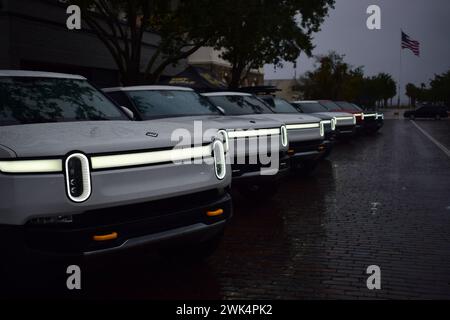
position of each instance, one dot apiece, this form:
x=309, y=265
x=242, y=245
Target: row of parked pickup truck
x=86, y=172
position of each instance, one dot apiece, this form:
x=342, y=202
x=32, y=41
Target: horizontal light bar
x=146, y=158
x=370, y=115
x=326, y=121
x=344, y=118
x=31, y=166
x=252, y=133
x=302, y=126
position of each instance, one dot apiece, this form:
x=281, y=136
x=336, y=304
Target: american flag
x=408, y=43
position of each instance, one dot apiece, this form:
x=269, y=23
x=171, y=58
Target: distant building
x=287, y=87
x=209, y=59
x=34, y=36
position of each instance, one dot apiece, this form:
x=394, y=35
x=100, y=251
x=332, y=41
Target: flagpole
x=400, y=71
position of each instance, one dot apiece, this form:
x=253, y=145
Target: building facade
x=209, y=59
x=34, y=36
x=287, y=88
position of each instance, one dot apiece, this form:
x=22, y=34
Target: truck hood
x=371, y=112
x=288, y=118
x=90, y=137
x=351, y=111
x=228, y=122
x=333, y=114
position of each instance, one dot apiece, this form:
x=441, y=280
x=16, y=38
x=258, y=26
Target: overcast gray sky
x=345, y=31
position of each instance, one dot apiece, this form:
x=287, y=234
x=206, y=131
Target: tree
x=255, y=32
x=440, y=88
x=387, y=87
x=438, y=91
x=330, y=79
x=335, y=79
x=182, y=27
x=412, y=92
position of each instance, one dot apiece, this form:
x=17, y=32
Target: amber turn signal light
x=214, y=213
x=106, y=237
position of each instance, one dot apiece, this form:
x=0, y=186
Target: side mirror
x=221, y=109
x=128, y=112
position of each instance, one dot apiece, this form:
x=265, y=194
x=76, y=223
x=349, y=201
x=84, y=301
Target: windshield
x=27, y=100
x=282, y=106
x=357, y=107
x=348, y=106
x=330, y=106
x=235, y=105
x=170, y=103
x=310, y=107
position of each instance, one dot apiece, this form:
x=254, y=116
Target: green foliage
x=182, y=27
x=255, y=32
x=250, y=33
x=438, y=91
x=334, y=79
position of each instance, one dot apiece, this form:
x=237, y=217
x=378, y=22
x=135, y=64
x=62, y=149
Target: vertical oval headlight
x=78, y=177
x=220, y=166
x=284, y=136
x=322, y=129
x=333, y=124
x=354, y=119
x=223, y=136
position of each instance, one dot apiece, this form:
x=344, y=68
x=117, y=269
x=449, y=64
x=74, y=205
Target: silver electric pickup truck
x=345, y=123
x=78, y=178
x=306, y=133
x=279, y=105
x=256, y=170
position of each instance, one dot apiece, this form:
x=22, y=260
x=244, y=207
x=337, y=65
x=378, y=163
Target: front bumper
x=307, y=150
x=371, y=125
x=181, y=219
x=346, y=131
x=24, y=197
x=256, y=173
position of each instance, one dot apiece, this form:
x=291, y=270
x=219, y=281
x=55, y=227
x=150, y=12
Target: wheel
x=259, y=190
x=412, y=117
x=438, y=117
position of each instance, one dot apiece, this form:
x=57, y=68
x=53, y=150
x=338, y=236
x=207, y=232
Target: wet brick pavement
x=381, y=200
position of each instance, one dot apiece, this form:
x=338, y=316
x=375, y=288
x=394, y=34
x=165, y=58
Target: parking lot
x=380, y=200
